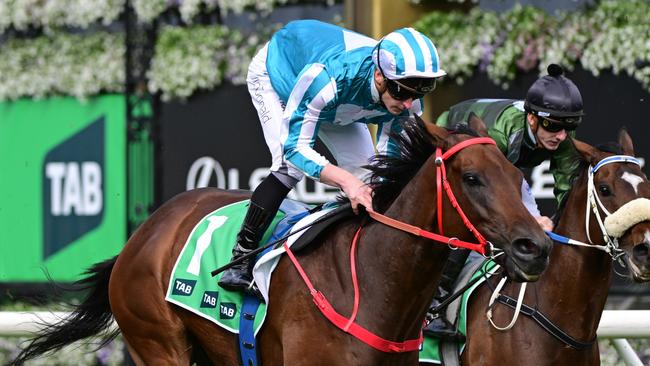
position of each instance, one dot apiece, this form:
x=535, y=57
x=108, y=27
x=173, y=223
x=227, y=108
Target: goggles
x=402, y=92
x=554, y=125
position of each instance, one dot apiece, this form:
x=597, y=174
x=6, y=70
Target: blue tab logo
x=227, y=310
x=209, y=299
x=183, y=287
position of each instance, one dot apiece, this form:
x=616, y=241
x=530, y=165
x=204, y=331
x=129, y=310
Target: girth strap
x=546, y=324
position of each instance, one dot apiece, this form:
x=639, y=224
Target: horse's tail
x=88, y=319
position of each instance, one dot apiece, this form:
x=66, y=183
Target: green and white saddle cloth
x=209, y=246
x=430, y=351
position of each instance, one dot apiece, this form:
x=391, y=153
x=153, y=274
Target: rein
x=611, y=247
x=349, y=325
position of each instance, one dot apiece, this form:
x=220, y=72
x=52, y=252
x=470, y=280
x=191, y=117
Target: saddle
x=308, y=236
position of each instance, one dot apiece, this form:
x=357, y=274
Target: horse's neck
x=406, y=269
x=576, y=282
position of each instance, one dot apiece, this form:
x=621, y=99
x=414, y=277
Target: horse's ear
x=625, y=141
x=588, y=152
x=477, y=124
x=437, y=132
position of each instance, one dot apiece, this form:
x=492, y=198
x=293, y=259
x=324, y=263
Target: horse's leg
x=134, y=354
x=155, y=344
x=154, y=333
x=219, y=345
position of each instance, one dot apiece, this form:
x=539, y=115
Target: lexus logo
x=202, y=170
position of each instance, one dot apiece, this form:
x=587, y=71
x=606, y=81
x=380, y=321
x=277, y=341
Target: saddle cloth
x=209, y=246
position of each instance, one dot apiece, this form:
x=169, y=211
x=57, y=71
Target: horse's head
x=622, y=193
x=488, y=188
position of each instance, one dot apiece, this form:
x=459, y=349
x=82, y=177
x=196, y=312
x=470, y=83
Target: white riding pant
x=528, y=199
x=351, y=145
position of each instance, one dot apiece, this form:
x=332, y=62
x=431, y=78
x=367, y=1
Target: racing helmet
x=409, y=59
x=556, y=98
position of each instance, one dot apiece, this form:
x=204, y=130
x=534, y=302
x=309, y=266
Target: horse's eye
x=604, y=190
x=472, y=179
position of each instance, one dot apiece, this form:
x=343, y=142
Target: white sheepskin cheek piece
x=627, y=216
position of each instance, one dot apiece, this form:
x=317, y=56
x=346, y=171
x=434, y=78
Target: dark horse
x=573, y=290
x=397, y=277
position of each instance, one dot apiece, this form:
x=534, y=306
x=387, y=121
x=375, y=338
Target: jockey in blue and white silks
x=323, y=74
x=317, y=80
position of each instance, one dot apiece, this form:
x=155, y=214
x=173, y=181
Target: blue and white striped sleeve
x=313, y=92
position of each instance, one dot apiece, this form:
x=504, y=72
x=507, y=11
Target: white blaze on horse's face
x=634, y=180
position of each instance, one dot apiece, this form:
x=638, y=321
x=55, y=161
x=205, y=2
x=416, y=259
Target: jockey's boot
x=437, y=323
x=240, y=276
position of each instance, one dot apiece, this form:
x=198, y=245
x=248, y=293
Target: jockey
x=527, y=132
x=314, y=79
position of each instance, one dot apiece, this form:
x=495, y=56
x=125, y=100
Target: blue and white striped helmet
x=407, y=53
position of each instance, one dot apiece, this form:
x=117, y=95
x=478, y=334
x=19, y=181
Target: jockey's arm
x=357, y=191
x=317, y=94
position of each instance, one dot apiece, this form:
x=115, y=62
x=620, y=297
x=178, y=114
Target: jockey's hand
x=357, y=191
x=545, y=223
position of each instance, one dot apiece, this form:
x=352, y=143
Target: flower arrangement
x=610, y=36
x=22, y=14
x=51, y=14
x=194, y=58
x=148, y=10
x=61, y=63
x=613, y=35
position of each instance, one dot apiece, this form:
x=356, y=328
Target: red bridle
x=441, y=182
x=349, y=325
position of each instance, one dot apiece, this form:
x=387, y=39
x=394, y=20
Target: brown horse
x=395, y=268
x=573, y=290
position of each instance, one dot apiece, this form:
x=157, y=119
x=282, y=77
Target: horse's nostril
x=527, y=247
x=641, y=251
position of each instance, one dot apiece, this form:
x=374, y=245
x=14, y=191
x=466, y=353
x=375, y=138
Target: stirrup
x=253, y=290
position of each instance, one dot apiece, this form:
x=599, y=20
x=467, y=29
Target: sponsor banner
x=62, y=186
x=215, y=140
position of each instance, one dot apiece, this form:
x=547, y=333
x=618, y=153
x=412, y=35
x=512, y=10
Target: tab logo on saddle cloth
x=183, y=287
x=209, y=246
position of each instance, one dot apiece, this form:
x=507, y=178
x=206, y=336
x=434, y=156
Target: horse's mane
x=610, y=147
x=391, y=173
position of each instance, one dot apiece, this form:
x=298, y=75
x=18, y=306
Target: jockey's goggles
x=402, y=92
x=556, y=125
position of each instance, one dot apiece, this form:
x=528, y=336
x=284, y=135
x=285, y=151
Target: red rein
x=348, y=325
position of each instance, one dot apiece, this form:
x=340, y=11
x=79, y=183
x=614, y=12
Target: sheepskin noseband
x=626, y=216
